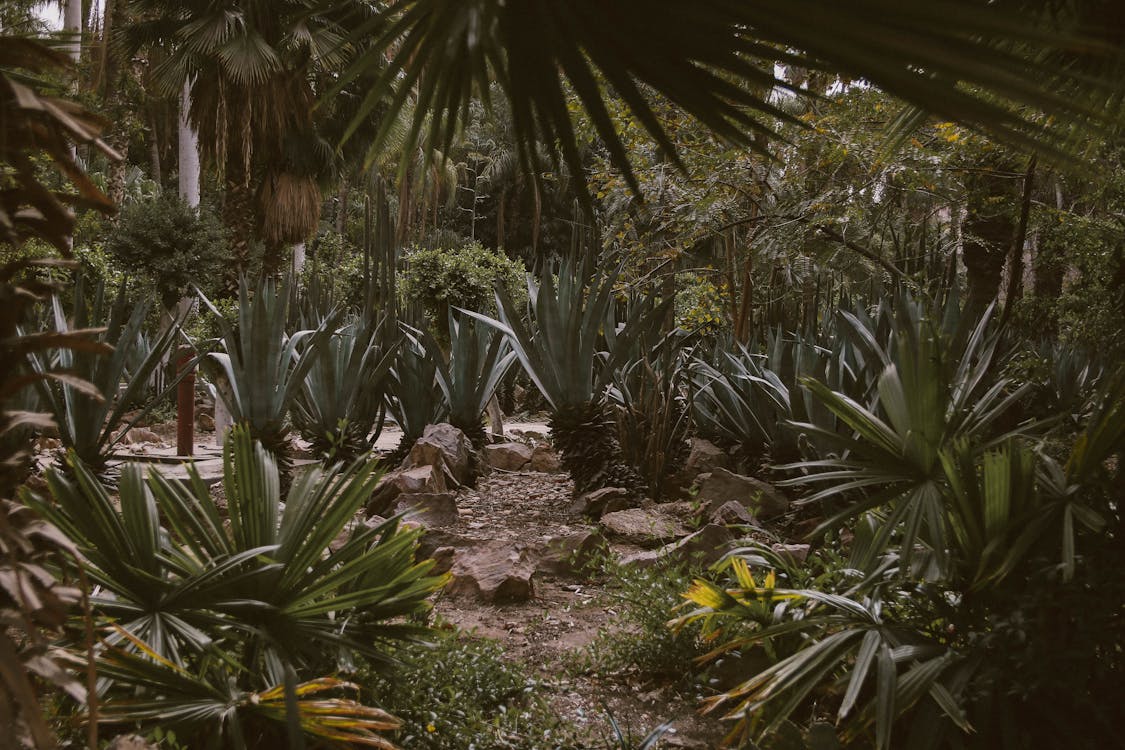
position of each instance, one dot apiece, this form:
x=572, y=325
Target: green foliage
x=701, y=304
x=413, y=394
x=479, y=358
x=460, y=692
x=262, y=364
x=639, y=638
x=213, y=616
x=948, y=623
x=466, y=277
x=171, y=243
x=336, y=265
x=342, y=399
x=82, y=386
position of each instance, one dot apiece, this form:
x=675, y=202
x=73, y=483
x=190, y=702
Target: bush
x=460, y=693
x=172, y=244
x=438, y=278
x=643, y=600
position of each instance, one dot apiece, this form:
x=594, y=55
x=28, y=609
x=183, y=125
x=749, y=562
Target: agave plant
x=652, y=414
x=211, y=610
x=91, y=420
x=263, y=364
x=478, y=360
x=926, y=665
x=414, y=397
x=931, y=394
x=565, y=359
x=341, y=402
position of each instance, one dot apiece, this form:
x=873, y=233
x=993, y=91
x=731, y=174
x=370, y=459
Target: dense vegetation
x=874, y=251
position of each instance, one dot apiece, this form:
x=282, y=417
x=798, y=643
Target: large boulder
x=731, y=513
x=705, y=457
x=594, y=504
x=545, y=459
x=429, y=510
x=702, y=548
x=493, y=572
x=421, y=479
x=508, y=456
x=446, y=447
x=643, y=527
x=572, y=554
x=721, y=486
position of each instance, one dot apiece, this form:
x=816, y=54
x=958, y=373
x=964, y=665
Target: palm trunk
x=588, y=447
x=188, y=151
x=239, y=218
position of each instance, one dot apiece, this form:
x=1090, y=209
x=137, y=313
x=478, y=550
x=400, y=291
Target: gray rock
x=643, y=527
x=721, y=486
x=508, y=456
x=443, y=558
x=544, y=459
x=130, y=742
x=142, y=435
x=493, y=572
x=430, y=510
x=593, y=504
x=702, y=548
x=797, y=553
x=571, y=554
x=731, y=513
x=443, y=446
x=705, y=456
x=421, y=479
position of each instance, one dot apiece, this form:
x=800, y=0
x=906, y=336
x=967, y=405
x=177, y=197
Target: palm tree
x=250, y=64
x=994, y=67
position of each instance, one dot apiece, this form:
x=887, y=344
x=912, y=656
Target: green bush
x=460, y=693
x=170, y=243
x=438, y=278
x=336, y=265
x=643, y=600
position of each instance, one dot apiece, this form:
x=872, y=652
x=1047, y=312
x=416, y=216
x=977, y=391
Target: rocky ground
x=527, y=559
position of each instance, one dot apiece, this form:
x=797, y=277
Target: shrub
x=460, y=693
x=171, y=243
x=438, y=278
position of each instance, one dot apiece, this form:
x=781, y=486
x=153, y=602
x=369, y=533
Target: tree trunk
x=988, y=230
x=299, y=254
x=239, y=218
x=72, y=29
x=188, y=151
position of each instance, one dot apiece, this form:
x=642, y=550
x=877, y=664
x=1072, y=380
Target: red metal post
x=185, y=405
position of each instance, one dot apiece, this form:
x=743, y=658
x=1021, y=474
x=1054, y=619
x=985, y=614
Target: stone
x=593, y=504
x=493, y=572
x=443, y=558
x=421, y=479
x=705, y=457
x=721, y=486
x=430, y=510
x=545, y=459
x=446, y=447
x=643, y=527
x=508, y=456
x=43, y=443
x=572, y=554
x=731, y=513
x=204, y=422
x=142, y=435
x=705, y=547
x=686, y=511
x=796, y=553
x=130, y=742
